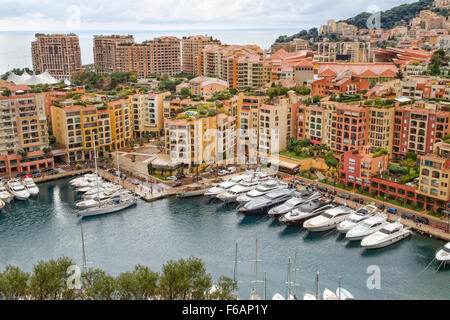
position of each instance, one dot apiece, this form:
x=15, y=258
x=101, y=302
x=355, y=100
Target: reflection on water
x=152, y=233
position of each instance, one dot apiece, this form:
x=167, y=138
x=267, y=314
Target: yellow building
x=434, y=179
x=381, y=127
x=73, y=128
x=147, y=113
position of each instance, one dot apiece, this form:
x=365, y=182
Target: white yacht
x=306, y=211
x=221, y=187
x=278, y=296
x=243, y=187
x=309, y=296
x=5, y=195
x=367, y=227
x=261, y=190
x=292, y=203
x=260, y=205
x=17, y=189
x=192, y=190
x=30, y=186
x=356, y=217
x=443, y=255
x=328, y=219
x=389, y=234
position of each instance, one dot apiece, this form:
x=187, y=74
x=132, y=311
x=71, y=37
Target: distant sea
x=15, y=46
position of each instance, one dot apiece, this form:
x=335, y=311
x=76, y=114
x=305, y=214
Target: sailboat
x=106, y=207
x=309, y=296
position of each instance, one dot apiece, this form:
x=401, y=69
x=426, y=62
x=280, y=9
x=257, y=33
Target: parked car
x=381, y=206
x=37, y=175
x=359, y=200
x=231, y=169
x=123, y=176
x=47, y=169
x=172, y=178
x=112, y=171
x=53, y=172
x=421, y=220
x=213, y=170
x=180, y=176
x=177, y=183
x=344, y=196
x=34, y=172
x=135, y=182
x=21, y=174
x=103, y=167
x=301, y=182
x=408, y=215
x=392, y=210
x=223, y=172
x=222, y=167
x=323, y=189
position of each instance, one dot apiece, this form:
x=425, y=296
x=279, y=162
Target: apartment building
x=292, y=46
x=434, y=179
x=106, y=57
x=74, y=127
x=241, y=66
x=121, y=54
x=349, y=128
x=272, y=129
x=418, y=129
x=23, y=134
x=193, y=139
x=58, y=54
x=248, y=121
x=191, y=49
x=357, y=167
x=147, y=113
x=381, y=127
x=353, y=52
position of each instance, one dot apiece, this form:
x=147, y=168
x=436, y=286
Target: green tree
x=6, y=92
x=48, y=281
x=225, y=289
x=141, y=284
x=184, y=279
x=185, y=92
x=13, y=283
x=97, y=285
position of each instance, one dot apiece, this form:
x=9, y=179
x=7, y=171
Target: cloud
x=149, y=14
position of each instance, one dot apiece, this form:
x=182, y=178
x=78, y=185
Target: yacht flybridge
x=261, y=190
x=29, y=184
x=389, y=234
x=17, y=189
x=367, y=227
x=356, y=217
x=243, y=187
x=327, y=220
x=221, y=187
x=443, y=255
x=306, y=211
x=292, y=203
x=260, y=205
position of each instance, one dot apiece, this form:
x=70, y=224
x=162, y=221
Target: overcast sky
x=43, y=15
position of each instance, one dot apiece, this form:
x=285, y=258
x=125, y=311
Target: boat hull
x=107, y=210
x=386, y=242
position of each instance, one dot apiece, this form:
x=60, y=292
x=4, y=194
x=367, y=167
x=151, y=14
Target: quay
x=156, y=191
x=438, y=229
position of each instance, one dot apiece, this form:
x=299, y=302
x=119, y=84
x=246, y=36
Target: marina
x=154, y=232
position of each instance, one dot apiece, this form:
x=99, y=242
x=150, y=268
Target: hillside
x=396, y=16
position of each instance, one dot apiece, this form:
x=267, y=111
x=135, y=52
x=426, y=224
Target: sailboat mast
x=96, y=168
x=256, y=265
x=317, y=286
x=265, y=286
x=82, y=245
x=117, y=162
x=339, y=290
x=288, y=279
x=235, y=267
x=295, y=271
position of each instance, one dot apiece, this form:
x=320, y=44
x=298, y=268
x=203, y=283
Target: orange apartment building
x=121, y=54
x=23, y=128
x=58, y=54
x=349, y=128
x=191, y=49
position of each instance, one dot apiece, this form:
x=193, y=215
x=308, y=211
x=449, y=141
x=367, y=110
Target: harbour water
x=153, y=233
